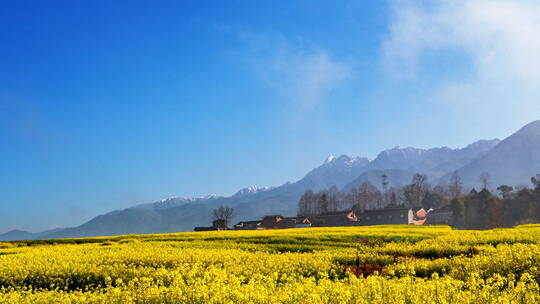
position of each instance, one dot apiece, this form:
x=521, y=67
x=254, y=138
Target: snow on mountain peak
x=187, y=199
x=329, y=159
x=252, y=190
x=177, y=198
x=344, y=160
x=180, y=200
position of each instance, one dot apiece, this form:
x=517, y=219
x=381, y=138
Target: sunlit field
x=380, y=264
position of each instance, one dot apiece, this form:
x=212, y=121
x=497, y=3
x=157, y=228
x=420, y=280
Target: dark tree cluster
x=484, y=209
x=471, y=209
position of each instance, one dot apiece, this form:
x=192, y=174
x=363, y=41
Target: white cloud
x=303, y=76
x=498, y=40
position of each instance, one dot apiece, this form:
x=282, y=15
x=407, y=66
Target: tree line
x=504, y=207
x=368, y=197
x=509, y=207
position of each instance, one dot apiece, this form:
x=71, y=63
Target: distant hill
x=184, y=213
x=512, y=161
x=15, y=235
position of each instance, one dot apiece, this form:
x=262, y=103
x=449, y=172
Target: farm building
x=278, y=222
x=303, y=222
x=274, y=222
x=441, y=216
x=386, y=217
x=248, y=225
x=333, y=219
x=368, y=217
x=390, y=216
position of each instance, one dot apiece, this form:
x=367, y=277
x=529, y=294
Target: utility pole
x=385, y=190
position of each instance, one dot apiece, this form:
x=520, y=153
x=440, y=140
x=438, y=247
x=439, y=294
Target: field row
x=380, y=264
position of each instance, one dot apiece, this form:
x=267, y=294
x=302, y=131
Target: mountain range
x=512, y=161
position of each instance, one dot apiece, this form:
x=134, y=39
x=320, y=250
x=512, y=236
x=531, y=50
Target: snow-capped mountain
x=512, y=161
x=335, y=171
x=180, y=200
x=400, y=164
x=434, y=162
x=252, y=190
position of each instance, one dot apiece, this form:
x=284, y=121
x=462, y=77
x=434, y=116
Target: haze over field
x=106, y=107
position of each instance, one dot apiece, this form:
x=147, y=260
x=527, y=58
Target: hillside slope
x=512, y=161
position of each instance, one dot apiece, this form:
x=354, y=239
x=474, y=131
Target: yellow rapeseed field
x=379, y=264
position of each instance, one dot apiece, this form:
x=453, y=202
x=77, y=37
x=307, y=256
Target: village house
x=420, y=216
x=274, y=222
x=390, y=216
x=278, y=222
x=394, y=216
x=333, y=219
x=303, y=222
x=248, y=225
x=441, y=216
x=368, y=217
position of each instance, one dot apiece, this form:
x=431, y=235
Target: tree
x=482, y=210
x=523, y=207
x=415, y=192
x=333, y=199
x=443, y=192
x=505, y=191
x=310, y=203
x=485, y=180
x=394, y=198
x=419, y=180
x=304, y=204
x=456, y=185
x=458, y=211
x=433, y=200
x=324, y=203
x=493, y=212
x=367, y=197
x=536, y=181
x=411, y=196
x=223, y=213
x=350, y=199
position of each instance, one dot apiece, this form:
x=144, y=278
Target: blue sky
x=108, y=104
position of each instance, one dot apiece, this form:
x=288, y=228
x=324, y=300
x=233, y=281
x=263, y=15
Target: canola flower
x=378, y=264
